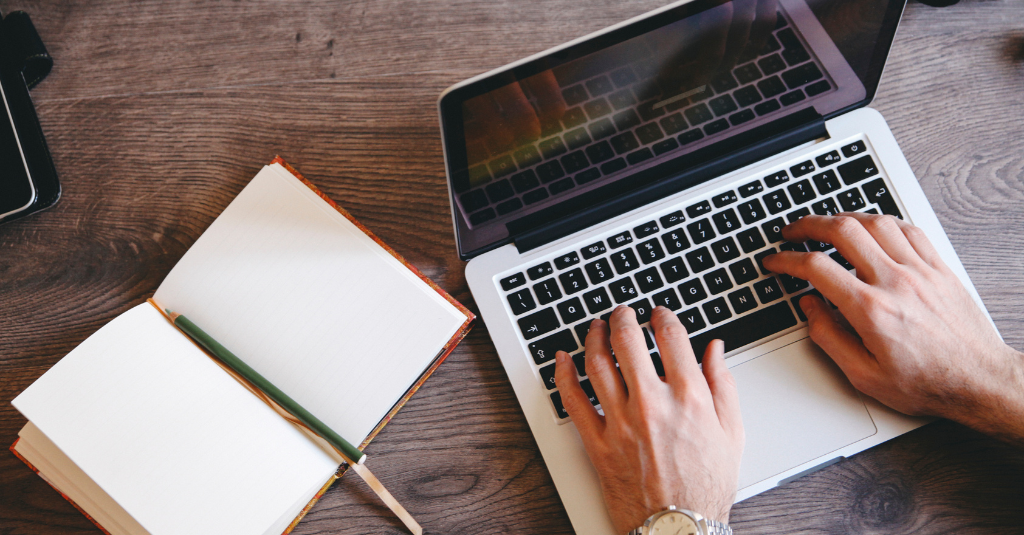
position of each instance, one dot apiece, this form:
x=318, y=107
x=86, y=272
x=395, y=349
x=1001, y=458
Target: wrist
x=995, y=402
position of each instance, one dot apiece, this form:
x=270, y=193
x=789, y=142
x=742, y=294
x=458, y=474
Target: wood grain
x=158, y=113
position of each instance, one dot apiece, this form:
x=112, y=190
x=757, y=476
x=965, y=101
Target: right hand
x=921, y=345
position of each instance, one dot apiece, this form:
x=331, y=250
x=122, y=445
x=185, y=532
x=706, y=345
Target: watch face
x=674, y=523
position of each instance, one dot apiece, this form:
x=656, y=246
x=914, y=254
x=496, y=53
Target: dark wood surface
x=157, y=114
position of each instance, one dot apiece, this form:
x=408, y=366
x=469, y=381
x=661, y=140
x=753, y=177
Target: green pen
x=221, y=353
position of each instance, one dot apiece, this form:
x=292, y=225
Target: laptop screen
x=599, y=111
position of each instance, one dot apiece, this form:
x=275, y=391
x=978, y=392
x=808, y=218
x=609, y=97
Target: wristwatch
x=674, y=521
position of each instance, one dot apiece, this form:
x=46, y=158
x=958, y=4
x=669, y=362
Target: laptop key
x=521, y=301
x=544, y=349
x=571, y=310
x=751, y=211
x=646, y=229
x=556, y=399
x=667, y=299
x=776, y=201
x=538, y=323
x=675, y=241
x=700, y=231
x=747, y=329
x=700, y=260
x=725, y=250
x=650, y=251
x=623, y=290
x=671, y=220
x=718, y=281
x=828, y=159
x=825, y=207
x=582, y=329
x=841, y=261
x=642, y=308
x=692, y=320
x=854, y=149
x=599, y=271
x=573, y=281
x=580, y=360
x=620, y=239
x=674, y=269
x=750, y=240
x=547, y=376
x=624, y=261
x=792, y=284
x=588, y=389
x=802, y=168
x=716, y=310
x=547, y=291
x=726, y=221
x=851, y=200
x=513, y=281
x=796, y=215
x=826, y=182
x=793, y=247
x=698, y=209
x=724, y=199
x=692, y=291
x=802, y=191
x=567, y=260
x=597, y=300
x=752, y=188
x=878, y=193
x=742, y=300
x=765, y=108
x=818, y=246
x=775, y=179
x=773, y=230
x=759, y=258
x=648, y=280
x=540, y=270
x=856, y=170
x=592, y=250
x=768, y=290
x=743, y=271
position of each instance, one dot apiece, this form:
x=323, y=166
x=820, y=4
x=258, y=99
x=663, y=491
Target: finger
x=631, y=350
x=890, y=237
x=545, y=89
x=845, y=349
x=920, y=242
x=723, y=388
x=519, y=115
x=600, y=366
x=483, y=124
x=574, y=399
x=848, y=236
x=831, y=279
x=674, y=344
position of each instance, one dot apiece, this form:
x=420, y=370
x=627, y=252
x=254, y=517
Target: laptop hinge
x=714, y=163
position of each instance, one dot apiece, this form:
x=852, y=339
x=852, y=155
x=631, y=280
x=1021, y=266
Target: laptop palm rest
x=797, y=406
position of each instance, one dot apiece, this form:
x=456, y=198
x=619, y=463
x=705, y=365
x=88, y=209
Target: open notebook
x=145, y=433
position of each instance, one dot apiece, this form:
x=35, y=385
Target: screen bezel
x=451, y=100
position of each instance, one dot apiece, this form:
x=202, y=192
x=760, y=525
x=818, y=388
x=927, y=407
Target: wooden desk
x=158, y=113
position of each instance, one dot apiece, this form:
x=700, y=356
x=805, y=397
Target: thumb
x=845, y=349
x=723, y=389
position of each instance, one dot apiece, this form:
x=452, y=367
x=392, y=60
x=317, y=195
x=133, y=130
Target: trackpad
x=797, y=405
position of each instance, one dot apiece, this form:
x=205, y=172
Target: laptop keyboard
x=619, y=119
x=701, y=260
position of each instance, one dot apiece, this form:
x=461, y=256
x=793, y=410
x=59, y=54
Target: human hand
x=672, y=441
x=921, y=346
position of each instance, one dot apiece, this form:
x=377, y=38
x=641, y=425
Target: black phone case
x=24, y=62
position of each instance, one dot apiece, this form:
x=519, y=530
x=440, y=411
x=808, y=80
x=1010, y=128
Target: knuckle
x=672, y=333
x=846, y=227
x=816, y=261
x=625, y=337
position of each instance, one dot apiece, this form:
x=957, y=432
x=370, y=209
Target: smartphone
x=17, y=193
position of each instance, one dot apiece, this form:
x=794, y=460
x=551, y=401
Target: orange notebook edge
x=62, y=495
x=456, y=338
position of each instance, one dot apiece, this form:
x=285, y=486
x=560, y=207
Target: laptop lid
x=604, y=124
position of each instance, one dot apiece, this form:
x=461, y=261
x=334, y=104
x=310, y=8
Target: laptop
x=655, y=163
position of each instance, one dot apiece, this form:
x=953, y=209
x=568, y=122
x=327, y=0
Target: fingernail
x=560, y=356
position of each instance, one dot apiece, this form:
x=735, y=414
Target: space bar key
x=747, y=329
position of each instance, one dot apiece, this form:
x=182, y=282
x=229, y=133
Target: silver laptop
x=655, y=163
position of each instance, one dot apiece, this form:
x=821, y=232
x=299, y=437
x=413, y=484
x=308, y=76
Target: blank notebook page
x=176, y=441
x=298, y=292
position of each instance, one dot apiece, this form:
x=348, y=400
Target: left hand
x=672, y=441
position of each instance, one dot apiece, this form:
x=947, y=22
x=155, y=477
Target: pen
x=350, y=453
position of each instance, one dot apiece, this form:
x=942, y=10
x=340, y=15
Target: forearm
x=996, y=408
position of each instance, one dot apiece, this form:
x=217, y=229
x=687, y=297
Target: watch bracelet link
x=717, y=528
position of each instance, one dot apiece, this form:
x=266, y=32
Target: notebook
x=145, y=433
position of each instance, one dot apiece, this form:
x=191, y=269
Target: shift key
x=746, y=329
x=544, y=349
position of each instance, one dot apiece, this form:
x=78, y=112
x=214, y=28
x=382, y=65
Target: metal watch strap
x=717, y=528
